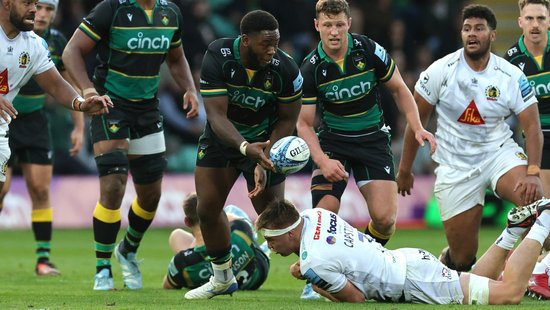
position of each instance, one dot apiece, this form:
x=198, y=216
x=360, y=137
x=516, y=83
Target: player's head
x=478, y=31
x=259, y=37
x=534, y=20
x=333, y=21
x=45, y=13
x=280, y=222
x=190, y=210
x=19, y=12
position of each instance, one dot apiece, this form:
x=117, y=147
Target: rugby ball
x=289, y=154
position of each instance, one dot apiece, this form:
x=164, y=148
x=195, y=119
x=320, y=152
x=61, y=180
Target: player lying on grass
x=190, y=267
x=347, y=265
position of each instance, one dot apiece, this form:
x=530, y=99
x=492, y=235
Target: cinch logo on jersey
x=142, y=40
x=332, y=224
x=471, y=115
x=317, y=234
x=541, y=84
x=248, y=98
x=350, y=88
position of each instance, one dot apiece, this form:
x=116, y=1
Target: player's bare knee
x=39, y=193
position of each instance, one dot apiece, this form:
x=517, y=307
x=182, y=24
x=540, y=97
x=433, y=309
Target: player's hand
x=405, y=182
x=77, y=138
x=424, y=135
x=295, y=271
x=96, y=105
x=256, y=151
x=530, y=189
x=333, y=170
x=191, y=104
x=8, y=110
x=260, y=180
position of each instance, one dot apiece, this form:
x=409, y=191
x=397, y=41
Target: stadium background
x=415, y=32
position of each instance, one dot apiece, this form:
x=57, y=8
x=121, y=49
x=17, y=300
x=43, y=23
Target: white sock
x=538, y=232
x=507, y=238
x=223, y=272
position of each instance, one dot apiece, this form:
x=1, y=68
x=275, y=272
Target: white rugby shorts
x=457, y=190
x=428, y=281
x=5, y=152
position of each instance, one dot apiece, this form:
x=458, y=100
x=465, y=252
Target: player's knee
x=39, y=193
x=148, y=169
x=115, y=162
x=320, y=188
x=384, y=224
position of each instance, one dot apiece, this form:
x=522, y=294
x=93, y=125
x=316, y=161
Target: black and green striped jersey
x=253, y=95
x=132, y=43
x=538, y=76
x=31, y=97
x=347, y=93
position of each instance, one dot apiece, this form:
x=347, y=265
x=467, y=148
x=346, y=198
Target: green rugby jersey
x=31, y=97
x=253, y=95
x=538, y=76
x=131, y=45
x=347, y=96
x=190, y=268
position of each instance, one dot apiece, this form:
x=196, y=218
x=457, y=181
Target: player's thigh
x=271, y=193
x=37, y=176
x=213, y=185
x=381, y=197
x=506, y=169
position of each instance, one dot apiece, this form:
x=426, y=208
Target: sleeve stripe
x=94, y=36
x=390, y=72
x=291, y=98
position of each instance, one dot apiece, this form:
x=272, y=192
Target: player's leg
x=180, y=240
x=213, y=186
x=381, y=197
x=6, y=186
x=38, y=178
x=518, y=267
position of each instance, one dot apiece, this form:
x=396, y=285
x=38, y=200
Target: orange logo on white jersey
x=4, y=86
x=471, y=115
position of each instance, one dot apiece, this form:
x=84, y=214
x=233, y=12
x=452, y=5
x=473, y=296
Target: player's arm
x=405, y=101
x=52, y=82
x=348, y=294
x=181, y=72
x=77, y=134
x=78, y=47
x=531, y=186
x=332, y=170
x=405, y=178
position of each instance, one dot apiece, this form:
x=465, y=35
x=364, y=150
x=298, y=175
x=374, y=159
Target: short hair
x=278, y=214
x=332, y=7
x=480, y=11
x=190, y=209
x=523, y=3
x=258, y=20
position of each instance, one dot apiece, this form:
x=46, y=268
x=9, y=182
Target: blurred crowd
x=415, y=32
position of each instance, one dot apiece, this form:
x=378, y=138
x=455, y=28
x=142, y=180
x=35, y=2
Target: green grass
x=73, y=253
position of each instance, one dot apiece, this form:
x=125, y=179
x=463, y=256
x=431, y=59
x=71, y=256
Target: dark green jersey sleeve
x=97, y=24
x=292, y=80
x=212, y=81
x=383, y=64
x=309, y=89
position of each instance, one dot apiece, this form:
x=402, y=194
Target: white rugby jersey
x=332, y=251
x=471, y=106
x=20, y=58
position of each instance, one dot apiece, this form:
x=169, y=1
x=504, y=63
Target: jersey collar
x=523, y=48
x=236, y=49
x=324, y=56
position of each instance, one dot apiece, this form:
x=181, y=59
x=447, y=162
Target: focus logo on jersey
x=471, y=115
x=4, y=86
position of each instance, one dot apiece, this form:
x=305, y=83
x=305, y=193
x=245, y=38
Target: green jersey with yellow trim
x=132, y=43
x=253, y=95
x=347, y=92
x=31, y=97
x=538, y=76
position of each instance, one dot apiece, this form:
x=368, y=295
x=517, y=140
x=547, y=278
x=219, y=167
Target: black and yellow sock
x=139, y=221
x=221, y=264
x=106, y=225
x=379, y=237
x=42, y=229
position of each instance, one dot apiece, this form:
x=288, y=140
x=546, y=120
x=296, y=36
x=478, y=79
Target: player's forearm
x=181, y=72
x=410, y=147
x=78, y=120
x=75, y=66
x=407, y=106
x=307, y=133
x=225, y=131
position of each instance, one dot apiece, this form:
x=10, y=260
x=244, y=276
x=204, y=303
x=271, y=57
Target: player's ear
x=245, y=39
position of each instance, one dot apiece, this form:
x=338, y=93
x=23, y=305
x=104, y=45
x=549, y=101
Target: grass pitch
x=72, y=251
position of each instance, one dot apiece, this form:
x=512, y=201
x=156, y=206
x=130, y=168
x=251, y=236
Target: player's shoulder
x=282, y=61
x=311, y=60
x=513, y=52
x=505, y=68
x=33, y=39
x=448, y=61
x=222, y=48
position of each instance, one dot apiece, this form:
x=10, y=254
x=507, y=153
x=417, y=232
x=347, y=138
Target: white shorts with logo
x=5, y=151
x=428, y=281
x=457, y=190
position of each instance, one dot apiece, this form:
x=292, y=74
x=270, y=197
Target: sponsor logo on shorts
x=331, y=240
x=521, y=155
